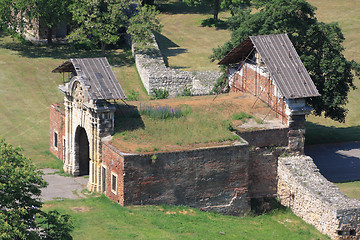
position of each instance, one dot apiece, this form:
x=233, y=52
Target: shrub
x=133, y=96
x=160, y=94
x=186, y=92
x=160, y=112
x=241, y=116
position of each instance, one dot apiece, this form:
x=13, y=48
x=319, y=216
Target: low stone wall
x=212, y=179
x=316, y=200
x=155, y=75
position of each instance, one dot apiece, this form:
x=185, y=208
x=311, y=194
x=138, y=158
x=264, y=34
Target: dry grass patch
x=208, y=124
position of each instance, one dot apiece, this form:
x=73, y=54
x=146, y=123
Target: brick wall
x=263, y=171
x=265, y=137
x=113, y=160
x=57, y=125
x=211, y=178
x=254, y=80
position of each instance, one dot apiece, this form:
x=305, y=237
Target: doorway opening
x=82, y=151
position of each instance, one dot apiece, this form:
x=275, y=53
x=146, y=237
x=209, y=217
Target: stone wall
x=213, y=178
x=57, y=126
x=265, y=137
x=263, y=171
x=156, y=75
x=316, y=200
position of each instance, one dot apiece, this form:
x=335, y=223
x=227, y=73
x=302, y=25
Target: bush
x=160, y=112
x=220, y=85
x=160, y=94
x=133, y=96
x=186, y=92
x=241, y=116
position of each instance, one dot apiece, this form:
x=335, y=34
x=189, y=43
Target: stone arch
x=82, y=151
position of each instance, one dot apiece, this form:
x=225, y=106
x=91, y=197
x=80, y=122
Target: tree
x=102, y=21
x=318, y=44
x=20, y=15
x=21, y=216
x=216, y=5
x=143, y=24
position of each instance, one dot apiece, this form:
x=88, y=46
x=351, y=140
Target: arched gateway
x=89, y=116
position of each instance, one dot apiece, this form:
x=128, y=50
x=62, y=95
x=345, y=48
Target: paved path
x=62, y=187
x=337, y=162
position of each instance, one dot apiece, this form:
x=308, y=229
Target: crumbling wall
x=316, y=200
x=156, y=75
x=213, y=178
x=57, y=126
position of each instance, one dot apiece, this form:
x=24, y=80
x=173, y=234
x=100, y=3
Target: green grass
x=99, y=218
x=184, y=42
x=351, y=189
x=28, y=88
x=203, y=124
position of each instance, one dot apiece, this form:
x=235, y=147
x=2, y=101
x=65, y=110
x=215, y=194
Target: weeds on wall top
x=163, y=112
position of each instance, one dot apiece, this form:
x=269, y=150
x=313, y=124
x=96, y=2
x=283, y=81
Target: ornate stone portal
x=88, y=115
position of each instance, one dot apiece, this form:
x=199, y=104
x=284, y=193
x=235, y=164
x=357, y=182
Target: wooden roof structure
x=281, y=59
x=97, y=74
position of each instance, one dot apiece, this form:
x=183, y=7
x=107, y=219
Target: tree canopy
x=22, y=14
x=106, y=21
x=21, y=216
x=318, y=44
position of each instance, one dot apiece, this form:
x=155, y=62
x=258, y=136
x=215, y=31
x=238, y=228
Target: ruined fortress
x=223, y=178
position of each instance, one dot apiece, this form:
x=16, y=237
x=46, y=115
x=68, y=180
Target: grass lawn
x=184, y=42
x=28, y=88
x=99, y=218
x=351, y=189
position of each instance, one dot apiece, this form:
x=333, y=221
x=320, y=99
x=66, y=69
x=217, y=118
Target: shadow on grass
x=67, y=51
x=180, y=7
x=318, y=134
x=127, y=118
x=210, y=22
x=167, y=47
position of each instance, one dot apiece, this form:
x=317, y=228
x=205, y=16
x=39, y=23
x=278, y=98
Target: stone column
x=296, y=110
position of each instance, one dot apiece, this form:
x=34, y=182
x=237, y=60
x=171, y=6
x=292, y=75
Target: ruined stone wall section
x=316, y=200
x=156, y=75
x=57, y=125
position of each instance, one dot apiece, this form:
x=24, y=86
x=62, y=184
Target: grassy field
x=28, y=88
x=99, y=218
x=185, y=42
x=351, y=189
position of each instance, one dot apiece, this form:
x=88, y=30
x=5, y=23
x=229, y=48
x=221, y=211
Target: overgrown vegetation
x=100, y=218
x=160, y=94
x=160, y=112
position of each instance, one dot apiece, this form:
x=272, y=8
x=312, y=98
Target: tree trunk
x=103, y=45
x=216, y=9
x=49, y=35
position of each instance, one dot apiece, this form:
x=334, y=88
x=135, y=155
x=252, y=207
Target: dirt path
x=62, y=187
